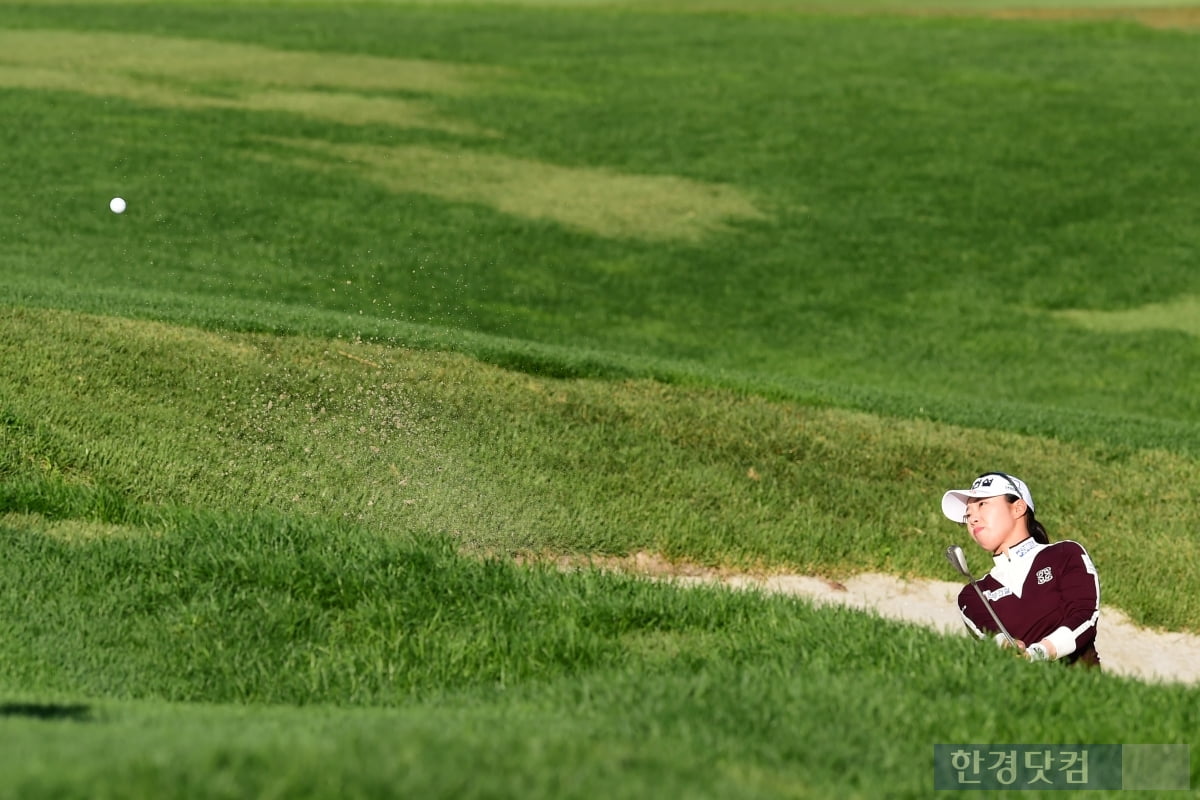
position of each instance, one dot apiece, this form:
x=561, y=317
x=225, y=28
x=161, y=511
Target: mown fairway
x=410, y=295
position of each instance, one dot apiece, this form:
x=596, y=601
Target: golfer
x=1046, y=595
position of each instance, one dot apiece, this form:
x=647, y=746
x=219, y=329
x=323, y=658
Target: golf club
x=954, y=555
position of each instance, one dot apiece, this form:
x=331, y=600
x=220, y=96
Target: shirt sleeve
x=977, y=620
x=1079, y=586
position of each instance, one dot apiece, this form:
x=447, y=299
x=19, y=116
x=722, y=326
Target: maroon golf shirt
x=1040, y=591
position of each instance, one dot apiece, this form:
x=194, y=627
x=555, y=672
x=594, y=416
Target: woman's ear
x=1019, y=508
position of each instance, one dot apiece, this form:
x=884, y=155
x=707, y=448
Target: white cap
x=990, y=484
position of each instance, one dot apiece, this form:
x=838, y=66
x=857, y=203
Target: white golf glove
x=1037, y=652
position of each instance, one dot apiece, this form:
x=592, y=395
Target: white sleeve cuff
x=1063, y=640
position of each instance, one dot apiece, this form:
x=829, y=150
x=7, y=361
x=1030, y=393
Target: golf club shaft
x=992, y=611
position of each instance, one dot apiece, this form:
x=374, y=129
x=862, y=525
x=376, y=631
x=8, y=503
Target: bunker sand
x=1125, y=648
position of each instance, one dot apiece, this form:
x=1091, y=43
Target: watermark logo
x=1061, y=766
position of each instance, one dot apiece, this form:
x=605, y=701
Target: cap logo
x=986, y=481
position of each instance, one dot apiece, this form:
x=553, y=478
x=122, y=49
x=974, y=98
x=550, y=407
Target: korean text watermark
x=1062, y=766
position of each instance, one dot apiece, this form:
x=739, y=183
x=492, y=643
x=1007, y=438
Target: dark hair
x=1036, y=529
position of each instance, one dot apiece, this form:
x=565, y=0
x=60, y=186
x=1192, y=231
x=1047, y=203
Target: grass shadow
x=69, y=711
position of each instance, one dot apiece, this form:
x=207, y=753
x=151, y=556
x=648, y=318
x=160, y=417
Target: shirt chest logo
x=995, y=594
x=1044, y=576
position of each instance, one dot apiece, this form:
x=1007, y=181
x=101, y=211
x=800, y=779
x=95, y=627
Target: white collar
x=1012, y=567
x=1021, y=549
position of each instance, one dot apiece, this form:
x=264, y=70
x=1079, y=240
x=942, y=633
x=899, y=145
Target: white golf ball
x=117, y=204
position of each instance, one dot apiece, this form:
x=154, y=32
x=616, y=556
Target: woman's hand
x=1039, y=651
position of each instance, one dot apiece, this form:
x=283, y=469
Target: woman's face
x=994, y=523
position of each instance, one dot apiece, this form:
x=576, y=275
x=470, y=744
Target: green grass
x=364, y=666
x=757, y=6
x=962, y=180
x=504, y=462
x=404, y=291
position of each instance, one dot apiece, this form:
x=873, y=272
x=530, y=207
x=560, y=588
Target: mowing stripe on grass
x=599, y=201
x=193, y=73
x=1181, y=314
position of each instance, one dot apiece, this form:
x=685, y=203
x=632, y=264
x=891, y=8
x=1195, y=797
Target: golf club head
x=954, y=555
